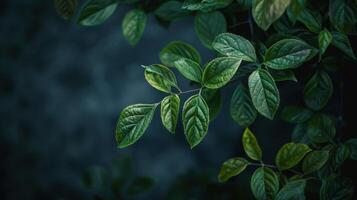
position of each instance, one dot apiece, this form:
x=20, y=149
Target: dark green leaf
x=295, y=8
x=321, y=128
x=314, y=161
x=213, y=99
x=336, y=188
x=140, y=185
x=342, y=42
x=94, y=178
x=232, y=167
x=299, y=134
x=312, y=20
x=170, y=10
x=96, y=12
x=66, y=8
x=290, y=155
x=133, y=25
x=251, y=146
x=294, y=190
x=160, y=77
x=177, y=50
x=342, y=154
x=296, y=114
x=283, y=75
x=352, y=144
x=342, y=15
x=264, y=184
x=169, y=112
x=325, y=39
x=189, y=69
x=205, y=5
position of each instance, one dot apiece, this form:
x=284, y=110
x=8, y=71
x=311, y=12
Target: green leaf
x=264, y=184
x=264, y=93
x=295, y=8
x=283, y=75
x=299, y=134
x=290, y=155
x=170, y=10
x=205, y=5
x=325, y=39
x=265, y=12
x=220, y=71
x=296, y=114
x=232, y=167
x=293, y=190
x=195, y=118
x=133, y=122
x=169, y=112
x=177, y=50
x=133, y=25
x=189, y=69
x=233, y=45
x=342, y=42
x=321, y=128
x=352, y=144
x=66, y=8
x=287, y=54
x=96, y=12
x=244, y=4
x=312, y=20
x=314, y=161
x=251, y=146
x=140, y=185
x=318, y=90
x=342, y=154
x=336, y=188
x=160, y=77
x=208, y=26
x=241, y=107
x=342, y=15
x=213, y=99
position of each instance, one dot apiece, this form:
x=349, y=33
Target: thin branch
x=189, y=91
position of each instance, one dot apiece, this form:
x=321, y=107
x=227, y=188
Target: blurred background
x=62, y=88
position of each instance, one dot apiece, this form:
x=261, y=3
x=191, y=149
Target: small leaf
x=140, y=185
x=321, y=128
x=133, y=25
x=264, y=184
x=312, y=20
x=314, y=161
x=318, y=90
x=208, y=26
x=160, y=77
x=189, y=69
x=213, y=99
x=232, y=167
x=296, y=114
x=336, y=188
x=265, y=12
x=283, y=75
x=342, y=42
x=352, y=144
x=195, y=118
x=241, y=107
x=342, y=154
x=233, y=45
x=293, y=190
x=177, y=50
x=264, y=93
x=342, y=15
x=170, y=10
x=169, y=112
x=295, y=8
x=219, y=71
x=133, y=122
x=96, y=12
x=325, y=39
x=251, y=146
x=287, y=54
x=66, y=8
x=205, y=5
x=290, y=155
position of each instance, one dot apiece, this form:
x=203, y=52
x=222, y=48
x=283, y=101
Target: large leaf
x=170, y=10
x=241, y=107
x=321, y=128
x=160, y=77
x=290, y=155
x=233, y=45
x=342, y=15
x=318, y=90
x=296, y=114
x=294, y=190
x=195, y=118
x=177, y=50
x=96, y=12
x=213, y=99
x=169, y=112
x=189, y=69
x=205, y=5
x=312, y=20
x=66, y=8
x=336, y=188
x=342, y=42
x=352, y=144
x=314, y=161
x=133, y=122
x=251, y=146
x=133, y=25
x=265, y=12
x=208, y=26
x=232, y=167
x=287, y=53
x=325, y=39
x=264, y=184
x=264, y=93
x=219, y=71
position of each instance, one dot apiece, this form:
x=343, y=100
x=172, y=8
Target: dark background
x=62, y=88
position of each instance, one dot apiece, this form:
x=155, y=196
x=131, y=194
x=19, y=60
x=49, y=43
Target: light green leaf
x=325, y=39
x=96, y=12
x=342, y=42
x=321, y=128
x=170, y=10
x=66, y=8
x=133, y=122
x=160, y=77
x=220, y=71
x=264, y=93
x=241, y=107
x=294, y=190
x=189, y=69
x=233, y=45
x=169, y=112
x=290, y=155
x=318, y=90
x=251, y=146
x=265, y=12
x=314, y=161
x=287, y=54
x=352, y=144
x=213, y=99
x=208, y=26
x=296, y=114
x=342, y=15
x=177, y=50
x=205, y=5
x=195, y=118
x=312, y=20
x=264, y=184
x=133, y=25
x=283, y=75
x=232, y=167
